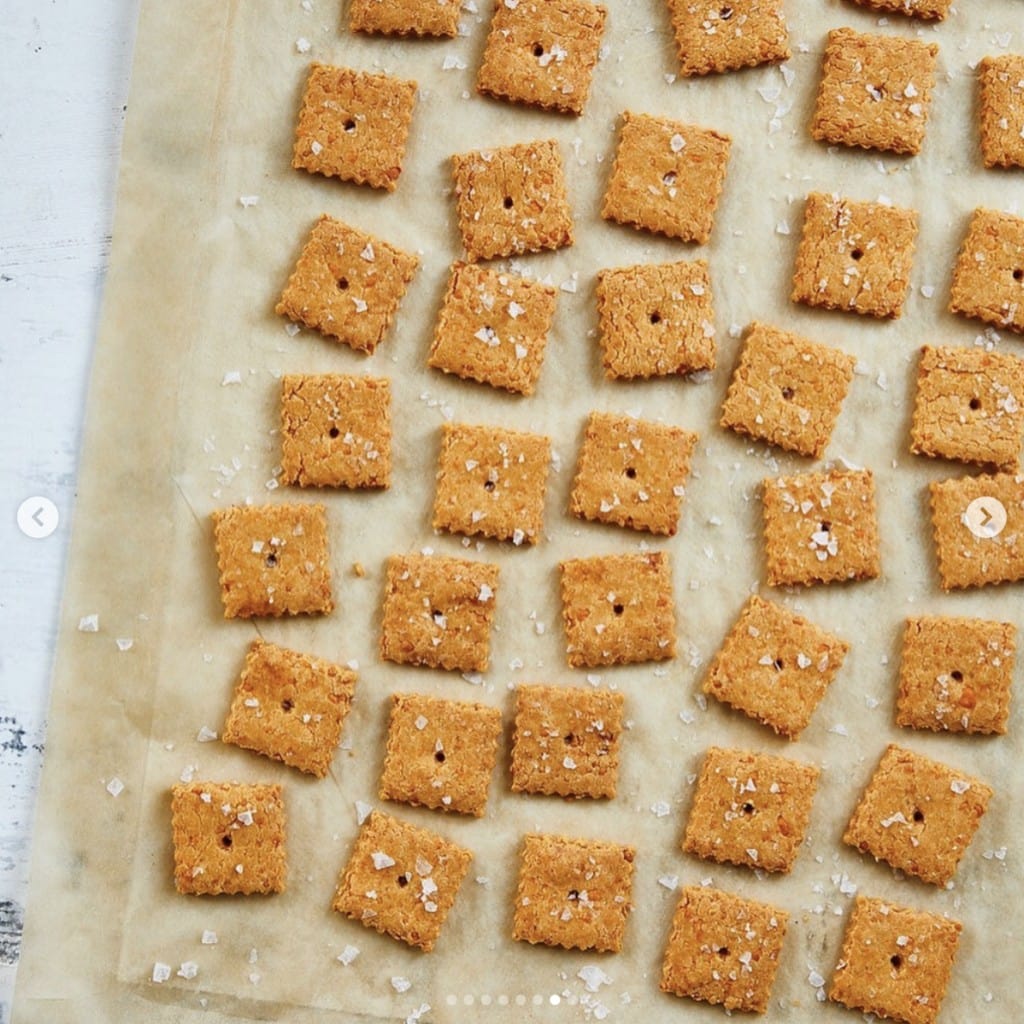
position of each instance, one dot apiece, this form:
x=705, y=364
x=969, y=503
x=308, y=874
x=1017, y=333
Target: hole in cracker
x=574, y=894
x=508, y=202
x=826, y=527
x=631, y=472
x=334, y=432
x=343, y=284
x=957, y=675
x=439, y=756
x=488, y=485
x=918, y=814
x=438, y=617
x=618, y=609
x=569, y=737
x=896, y=960
x=287, y=704
x=226, y=841
x=787, y=394
x=669, y=178
x=723, y=951
x=655, y=317
x=748, y=808
x=975, y=404
x=271, y=560
x=725, y=13
x=349, y=125
x=857, y=254
x=1018, y=274
x=538, y=50
x=402, y=880
x=778, y=664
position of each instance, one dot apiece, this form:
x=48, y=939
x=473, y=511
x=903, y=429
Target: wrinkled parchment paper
x=193, y=279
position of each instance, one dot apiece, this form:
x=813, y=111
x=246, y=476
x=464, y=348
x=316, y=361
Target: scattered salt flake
x=382, y=860
x=205, y=735
x=302, y=45
x=515, y=310
x=959, y=786
x=815, y=978
x=473, y=678
x=124, y=643
x=998, y=854
x=569, y=285
x=927, y=290
x=348, y=955
x=423, y=1007
x=89, y=623
x=485, y=593
x=208, y=938
x=453, y=63
x=161, y=972
x=421, y=723
x=770, y=93
x=670, y=882
x=593, y=977
x=677, y=143
x=660, y=809
x=362, y=811
x=188, y=970
x=188, y=772
x=839, y=729
x=782, y=228
x=292, y=329
x=400, y=984
x=568, y=762
x=247, y=201
x=115, y=787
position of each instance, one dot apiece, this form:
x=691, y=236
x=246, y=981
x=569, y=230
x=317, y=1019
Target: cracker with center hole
x=573, y=893
x=401, y=880
x=918, y=815
x=273, y=560
x=723, y=949
x=821, y=528
x=956, y=675
x=440, y=753
x=750, y=809
x=493, y=327
x=353, y=125
x=978, y=524
x=667, y=177
x=775, y=666
x=438, y=612
x=290, y=706
x=335, y=430
x=969, y=406
x=875, y=91
x=632, y=473
x=988, y=279
x=618, y=609
x=405, y=17
x=491, y=482
x=854, y=256
x=347, y=284
x=229, y=837
x=929, y=10
x=716, y=36
x=542, y=53
x=512, y=200
x=787, y=390
x=1001, y=118
x=895, y=962
x=566, y=741
x=656, y=319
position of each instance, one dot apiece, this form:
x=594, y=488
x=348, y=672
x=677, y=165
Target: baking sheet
x=193, y=279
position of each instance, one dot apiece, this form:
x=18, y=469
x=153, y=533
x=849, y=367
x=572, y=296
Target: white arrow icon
x=985, y=517
x=37, y=517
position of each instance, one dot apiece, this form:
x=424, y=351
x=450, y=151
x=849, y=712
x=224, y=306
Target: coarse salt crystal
x=124, y=643
x=208, y=938
x=593, y=977
x=115, y=787
x=161, y=972
x=362, y=811
x=89, y=623
x=401, y=984
x=959, y=786
x=188, y=970
x=420, y=723
x=660, y=809
x=247, y=201
x=302, y=45
x=205, y=735
x=382, y=860
x=669, y=882
x=348, y=955
x=677, y=143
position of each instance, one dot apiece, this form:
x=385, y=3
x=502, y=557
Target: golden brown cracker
x=347, y=284
x=405, y=17
x=273, y=560
x=775, y=666
x=229, y=837
x=750, y=809
x=290, y=706
x=573, y=893
x=632, y=473
x=787, y=390
x=928, y=10
x=438, y=612
x=667, y=177
x=618, y=609
x=1001, y=110
x=988, y=279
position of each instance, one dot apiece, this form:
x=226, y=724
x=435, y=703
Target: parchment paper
x=193, y=280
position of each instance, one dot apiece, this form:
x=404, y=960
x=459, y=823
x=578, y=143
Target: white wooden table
x=64, y=85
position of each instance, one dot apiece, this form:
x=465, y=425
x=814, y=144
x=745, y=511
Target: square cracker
x=667, y=177
x=918, y=815
x=335, y=430
x=750, y=809
x=566, y=741
x=1002, y=110
x=956, y=675
x=290, y=706
x=775, y=666
x=723, y=949
x=573, y=893
x=787, y=390
x=875, y=91
x=229, y=837
x=440, y=753
x=438, y=612
x=715, y=36
x=895, y=961
x=632, y=473
x=273, y=560
x=978, y=523
x=988, y=279
x=929, y=10
x=511, y=200
x=405, y=17
x=969, y=406
x=821, y=527
x=542, y=53
x=401, y=880
x=353, y=125
x=347, y=284
x=618, y=609
x=657, y=319
x=491, y=481
x=493, y=327
x=854, y=256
